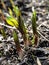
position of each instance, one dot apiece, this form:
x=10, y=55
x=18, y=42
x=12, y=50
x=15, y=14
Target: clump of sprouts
x=18, y=23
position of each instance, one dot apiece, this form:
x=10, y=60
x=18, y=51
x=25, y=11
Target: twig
x=43, y=23
x=2, y=24
x=38, y=61
x=39, y=31
x=42, y=36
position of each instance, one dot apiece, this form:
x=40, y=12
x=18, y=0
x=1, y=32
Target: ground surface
x=8, y=54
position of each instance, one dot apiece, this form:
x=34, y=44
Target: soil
x=8, y=53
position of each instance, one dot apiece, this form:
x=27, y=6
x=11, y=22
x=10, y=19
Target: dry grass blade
x=11, y=1
x=44, y=23
x=1, y=15
x=3, y=4
x=38, y=61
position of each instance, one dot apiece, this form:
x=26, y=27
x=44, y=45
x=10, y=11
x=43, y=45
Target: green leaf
x=34, y=22
x=3, y=33
x=33, y=40
x=34, y=27
x=16, y=40
x=12, y=21
x=10, y=12
x=15, y=36
x=17, y=11
x=15, y=8
x=20, y=20
x=22, y=27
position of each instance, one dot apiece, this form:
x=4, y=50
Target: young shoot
x=10, y=12
x=18, y=47
x=34, y=27
x=12, y=21
x=3, y=32
x=21, y=27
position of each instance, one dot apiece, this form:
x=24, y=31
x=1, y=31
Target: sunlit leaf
x=21, y=27
x=10, y=12
x=12, y=21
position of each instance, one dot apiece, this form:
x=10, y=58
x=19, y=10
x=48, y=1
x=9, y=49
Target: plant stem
x=23, y=31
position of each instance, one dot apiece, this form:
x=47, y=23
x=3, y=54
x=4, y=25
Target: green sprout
x=23, y=31
x=16, y=40
x=21, y=27
x=18, y=47
x=34, y=27
x=19, y=24
x=3, y=32
x=12, y=21
x=10, y=12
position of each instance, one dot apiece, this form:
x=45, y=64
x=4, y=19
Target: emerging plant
x=19, y=24
x=21, y=27
x=3, y=33
x=16, y=40
x=18, y=47
x=10, y=12
x=11, y=21
x=34, y=27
